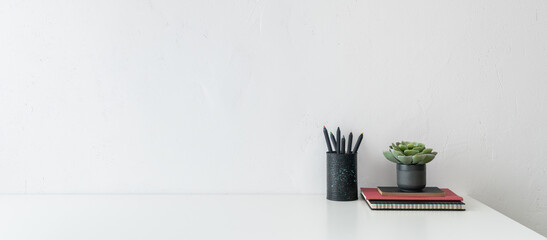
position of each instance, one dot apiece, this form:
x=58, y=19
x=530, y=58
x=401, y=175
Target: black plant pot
x=342, y=177
x=411, y=178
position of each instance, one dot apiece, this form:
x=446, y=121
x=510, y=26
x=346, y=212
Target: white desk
x=133, y=217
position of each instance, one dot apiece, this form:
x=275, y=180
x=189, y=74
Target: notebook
x=426, y=192
x=373, y=194
x=415, y=205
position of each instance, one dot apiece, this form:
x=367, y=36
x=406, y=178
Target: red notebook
x=373, y=194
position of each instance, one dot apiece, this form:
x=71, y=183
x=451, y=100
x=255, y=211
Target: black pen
x=358, y=143
x=338, y=140
x=333, y=140
x=327, y=138
x=350, y=138
x=343, y=146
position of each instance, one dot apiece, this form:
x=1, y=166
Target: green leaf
x=405, y=159
x=410, y=152
x=390, y=157
x=402, y=147
x=428, y=158
x=419, y=149
x=427, y=150
x=397, y=153
x=418, y=158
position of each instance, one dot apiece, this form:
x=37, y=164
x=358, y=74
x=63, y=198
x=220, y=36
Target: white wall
x=230, y=96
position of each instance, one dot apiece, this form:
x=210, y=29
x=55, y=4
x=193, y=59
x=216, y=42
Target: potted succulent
x=410, y=158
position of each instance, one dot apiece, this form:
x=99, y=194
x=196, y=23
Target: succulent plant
x=409, y=153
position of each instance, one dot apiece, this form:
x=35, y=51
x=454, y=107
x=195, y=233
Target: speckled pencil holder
x=341, y=177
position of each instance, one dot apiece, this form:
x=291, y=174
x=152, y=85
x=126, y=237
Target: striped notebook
x=374, y=194
x=415, y=205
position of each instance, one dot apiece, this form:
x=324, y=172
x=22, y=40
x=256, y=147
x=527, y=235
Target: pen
x=333, y=140
x=358, y=143
x=350, y=138
x=327, y=138
x=343, y=147
x=338, y=140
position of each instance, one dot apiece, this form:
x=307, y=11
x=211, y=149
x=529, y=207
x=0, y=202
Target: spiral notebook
x=450, y=202
x=373, y=194
x=416, y=205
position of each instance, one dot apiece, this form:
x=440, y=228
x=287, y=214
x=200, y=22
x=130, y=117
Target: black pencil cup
x=341, y=177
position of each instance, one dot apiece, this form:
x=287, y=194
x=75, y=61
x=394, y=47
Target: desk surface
x=239, y=217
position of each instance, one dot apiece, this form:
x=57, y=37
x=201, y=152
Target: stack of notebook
x=431, y=198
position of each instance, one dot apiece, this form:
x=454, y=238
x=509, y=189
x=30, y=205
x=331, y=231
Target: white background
x=230, y=96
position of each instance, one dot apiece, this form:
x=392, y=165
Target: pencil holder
x=341, y=177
